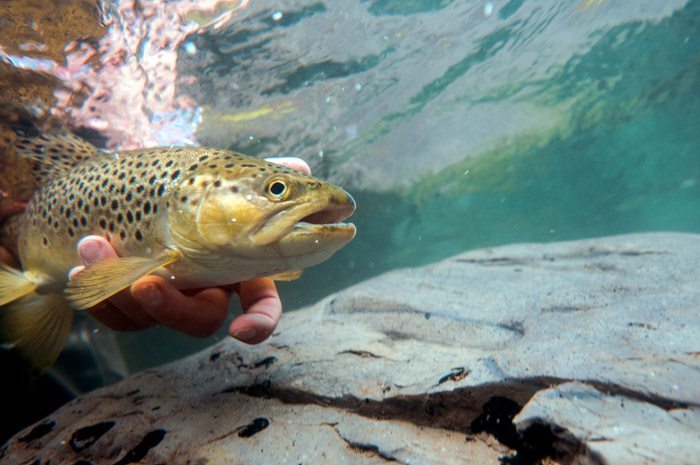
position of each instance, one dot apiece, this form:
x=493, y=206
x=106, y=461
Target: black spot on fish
x=71, y=233
x=120, y=218
x=138, y=235
x=234, y=189
x=111, y=226
x=115, y=205
x=175, y=175
x=147, y=207
x=129, y=217
x=140, y=189
x=161, y=189
x=122, y=234
x=83, y=220
x=204, y=158
x=103, y=223
x=169, y=164
x=152, y=179
x=128, y=196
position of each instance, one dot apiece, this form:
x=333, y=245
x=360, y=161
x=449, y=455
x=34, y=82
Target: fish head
x=259, y=211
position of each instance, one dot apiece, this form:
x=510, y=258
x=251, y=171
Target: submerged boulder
x=584, y=351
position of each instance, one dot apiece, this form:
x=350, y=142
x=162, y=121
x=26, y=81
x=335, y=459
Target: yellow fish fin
x=37, y=326
x=104, y=278
x=288, y=276
x=13, y=284
x=53, y=155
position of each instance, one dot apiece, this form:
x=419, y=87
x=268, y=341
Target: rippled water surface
x=455, y=124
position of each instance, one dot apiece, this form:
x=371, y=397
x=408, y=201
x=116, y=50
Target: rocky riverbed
x=571, y=352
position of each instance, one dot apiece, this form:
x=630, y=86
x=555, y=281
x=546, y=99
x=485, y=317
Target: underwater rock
x=583, y=351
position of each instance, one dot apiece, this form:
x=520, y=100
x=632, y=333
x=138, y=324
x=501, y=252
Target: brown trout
x=196, y=216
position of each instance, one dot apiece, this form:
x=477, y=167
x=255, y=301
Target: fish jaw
x=315, y=221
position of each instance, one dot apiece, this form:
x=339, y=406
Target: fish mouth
x=309, y=226
x=326, y=223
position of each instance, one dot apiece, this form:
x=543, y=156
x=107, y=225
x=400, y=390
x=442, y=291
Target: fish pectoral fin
x=37, y=326
x=104, y=278
x=287, y=276
x=13, y=284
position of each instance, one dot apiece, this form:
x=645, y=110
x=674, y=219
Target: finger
x=291, y=162
x=93, y=248
x=110, y=316
x=199, y=315
x=262, y=310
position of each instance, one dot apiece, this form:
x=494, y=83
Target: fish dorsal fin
x=53, y=155
x=104, y=278
x=287, y=276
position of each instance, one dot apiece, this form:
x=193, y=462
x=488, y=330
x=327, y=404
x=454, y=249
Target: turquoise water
x=458, y=127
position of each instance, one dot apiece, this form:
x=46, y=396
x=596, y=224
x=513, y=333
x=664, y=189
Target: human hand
x=153, y=300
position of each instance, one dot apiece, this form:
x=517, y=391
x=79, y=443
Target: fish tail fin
x=37, y=326
x=13, y=284
x=53, y=155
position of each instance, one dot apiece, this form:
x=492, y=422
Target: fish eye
x=277, y=189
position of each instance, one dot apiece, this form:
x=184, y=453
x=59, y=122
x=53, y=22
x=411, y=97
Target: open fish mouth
x=324, y=226
x=310, y=227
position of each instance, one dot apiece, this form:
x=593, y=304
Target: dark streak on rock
x=38, y=431
x=360, y=447
x=87, y=436
x=214, y=356
x=148, y=442
x=360, y=353
x=255, y=427
x=457, y=374
x=496, y=261
x=565, y=309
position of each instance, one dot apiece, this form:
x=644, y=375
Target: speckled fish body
x=195, y=216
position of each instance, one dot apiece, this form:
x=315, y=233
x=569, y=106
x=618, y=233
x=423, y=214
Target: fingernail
x=148, y=295
x=245, y=334
x=89, y=251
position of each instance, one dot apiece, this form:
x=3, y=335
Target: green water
x=622, y=156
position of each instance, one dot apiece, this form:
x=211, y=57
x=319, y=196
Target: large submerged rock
x=585, y=352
